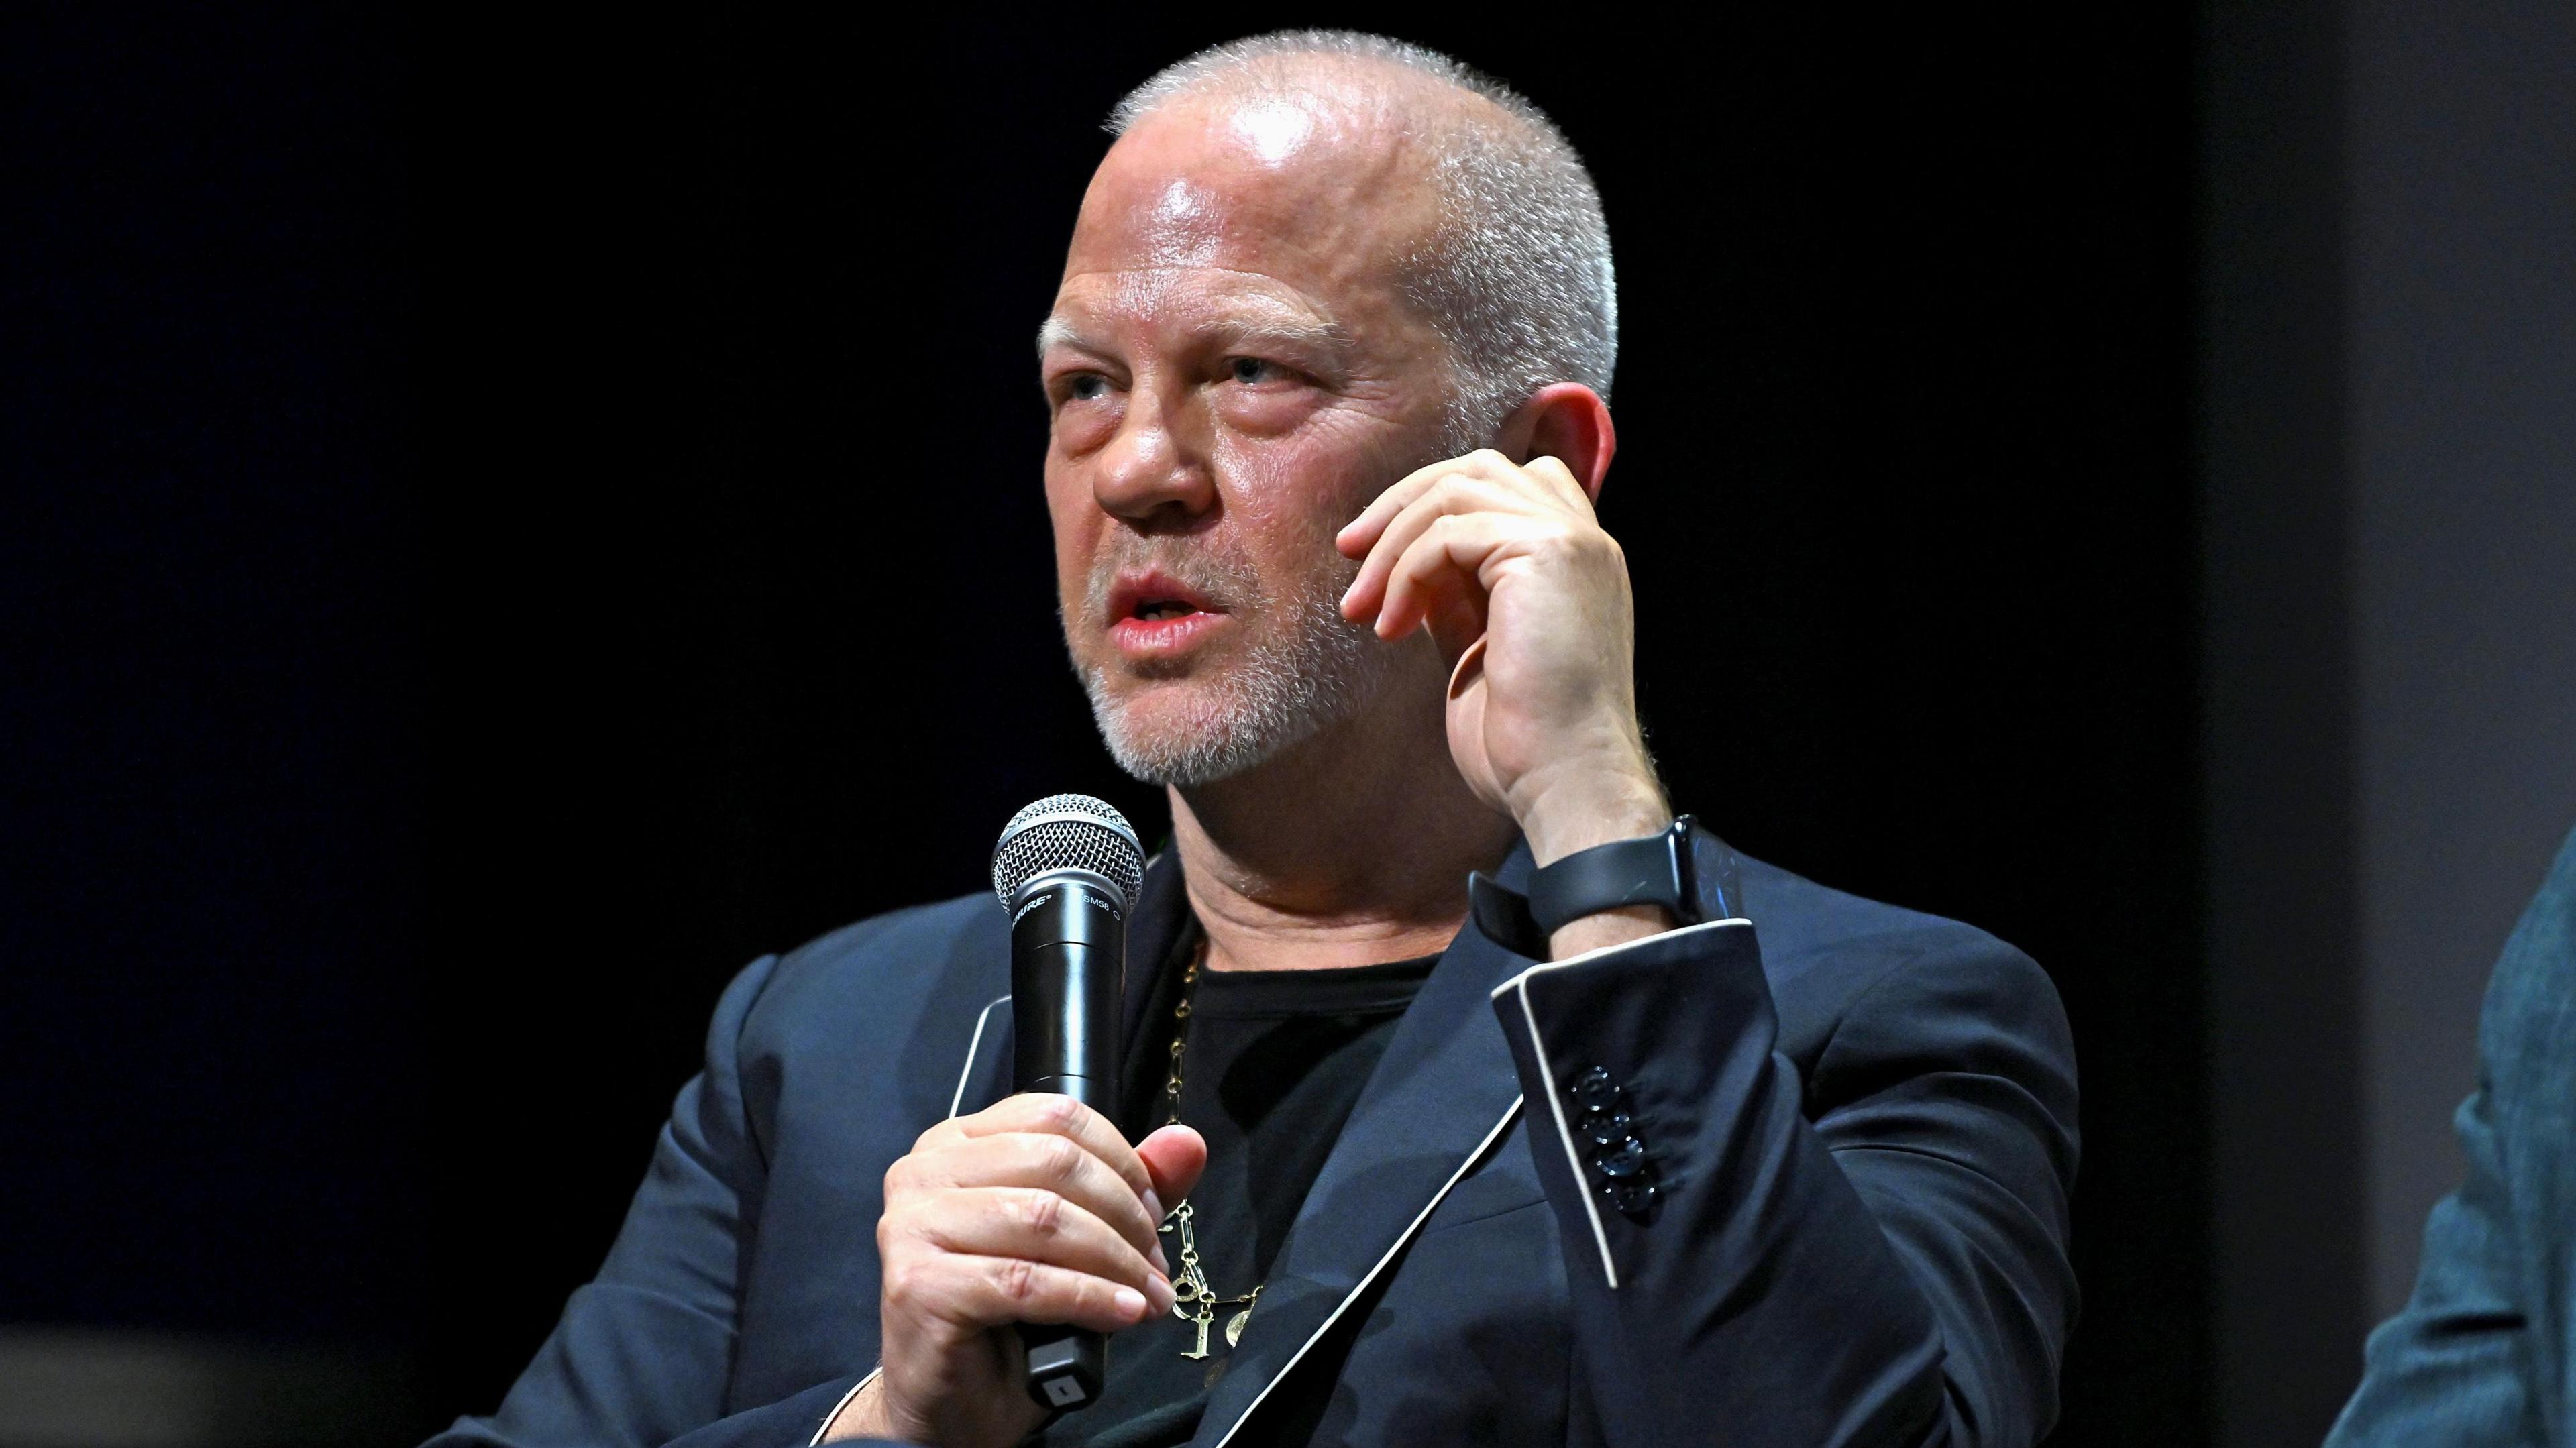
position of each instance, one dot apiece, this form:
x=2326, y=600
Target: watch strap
x=1652, y=869
x=1502, y=915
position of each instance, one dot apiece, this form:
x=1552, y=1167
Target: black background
x=527, y=517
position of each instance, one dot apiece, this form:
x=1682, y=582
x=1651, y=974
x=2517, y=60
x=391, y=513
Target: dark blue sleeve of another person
x=2480, y=1353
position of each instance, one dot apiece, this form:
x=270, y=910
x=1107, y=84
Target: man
x=2481, y=1353
x=1327, y=372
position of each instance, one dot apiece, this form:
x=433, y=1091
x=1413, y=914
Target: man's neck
x=1351, y=848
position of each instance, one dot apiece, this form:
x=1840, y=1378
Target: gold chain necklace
x=1193, y=1300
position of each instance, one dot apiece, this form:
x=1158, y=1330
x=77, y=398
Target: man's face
x=1233, y=372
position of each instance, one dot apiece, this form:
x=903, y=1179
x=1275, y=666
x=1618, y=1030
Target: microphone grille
x=1068, y=831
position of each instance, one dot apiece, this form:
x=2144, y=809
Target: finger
x=1057, y=1115
x=1446, y=560
x=1435, y=566
x=982, y=1292
x=1446, y=497
x=1052, y=1163
x=1360, y=534
x=1561, y=481
x=1038, y=1225
x=1176, y=1155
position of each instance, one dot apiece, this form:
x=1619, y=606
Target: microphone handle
x=1068, y=1364
x=1068, y=957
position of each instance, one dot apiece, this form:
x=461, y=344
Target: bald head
x=1314, y=178
x=1507, y=256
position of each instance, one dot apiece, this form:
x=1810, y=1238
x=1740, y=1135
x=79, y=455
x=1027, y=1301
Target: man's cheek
x=1069, y=527
x=1072, y=585
x=1277, y=482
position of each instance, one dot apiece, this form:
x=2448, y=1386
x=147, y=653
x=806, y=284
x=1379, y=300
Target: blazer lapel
x=1438, y=1099
x=987, y=1074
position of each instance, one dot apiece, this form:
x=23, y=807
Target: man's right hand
x=1032, y=1210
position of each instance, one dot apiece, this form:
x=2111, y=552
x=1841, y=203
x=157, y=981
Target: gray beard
x=1284, y=691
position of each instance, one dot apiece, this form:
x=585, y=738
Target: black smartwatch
x=1653, y=870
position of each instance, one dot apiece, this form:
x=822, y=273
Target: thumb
x=1469, y=668
x=1173, y=1156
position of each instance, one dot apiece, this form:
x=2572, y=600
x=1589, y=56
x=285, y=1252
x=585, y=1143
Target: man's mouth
x=1152, y=595
x=1152, y=615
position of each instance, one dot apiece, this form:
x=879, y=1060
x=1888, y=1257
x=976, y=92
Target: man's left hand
x=1508, y=568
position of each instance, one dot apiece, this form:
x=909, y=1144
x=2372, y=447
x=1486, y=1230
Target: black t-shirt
x=1274, y=1062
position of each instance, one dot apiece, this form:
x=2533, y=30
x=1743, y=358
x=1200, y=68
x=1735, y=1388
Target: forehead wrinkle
x=1243, y=300
x=1330, y=335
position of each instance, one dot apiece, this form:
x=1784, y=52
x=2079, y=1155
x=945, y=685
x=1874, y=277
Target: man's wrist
x=862, y=1414
x=1595, y=806
x=1623, y=926
x=1585, y=807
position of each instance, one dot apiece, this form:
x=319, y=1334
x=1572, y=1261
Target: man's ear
x=1566, y=421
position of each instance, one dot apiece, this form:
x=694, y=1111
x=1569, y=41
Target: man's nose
x=1155, y=468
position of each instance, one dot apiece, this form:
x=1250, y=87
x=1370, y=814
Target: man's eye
x=1251, y=371
x=1085, y=386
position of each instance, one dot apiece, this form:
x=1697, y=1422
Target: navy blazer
x=1862, y=1128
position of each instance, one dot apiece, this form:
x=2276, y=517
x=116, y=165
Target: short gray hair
x=1519, y=284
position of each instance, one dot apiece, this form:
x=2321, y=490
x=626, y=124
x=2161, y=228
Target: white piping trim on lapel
x=1370, y=1276
x=1519, y=985
x=974, y=1043
x=837, y=1408
x=965, y=1074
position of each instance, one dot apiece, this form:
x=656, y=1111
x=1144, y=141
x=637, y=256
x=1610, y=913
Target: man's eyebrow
x=1057, y=332
x=1274, y=331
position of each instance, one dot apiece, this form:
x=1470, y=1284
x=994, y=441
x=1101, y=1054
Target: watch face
x=1685, y=903
x=1710, y=866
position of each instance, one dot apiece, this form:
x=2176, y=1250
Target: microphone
x=1067, y=870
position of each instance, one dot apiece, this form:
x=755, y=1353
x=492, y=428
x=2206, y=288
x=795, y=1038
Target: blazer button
x=1606, y=1128
x=1631, y=1196
x=1621, y=1170
x=1621, y=1162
